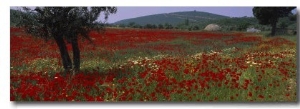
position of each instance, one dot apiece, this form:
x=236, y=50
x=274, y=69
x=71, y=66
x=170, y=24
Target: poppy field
x=157, y=65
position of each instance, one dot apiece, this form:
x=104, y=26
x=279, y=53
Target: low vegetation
x=157, y=65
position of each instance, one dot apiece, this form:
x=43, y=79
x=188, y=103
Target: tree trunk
x=76, y=54
x=273, y=24
x=67, y=64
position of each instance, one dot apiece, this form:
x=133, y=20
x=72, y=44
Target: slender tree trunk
x=67, y=63
x=76, y=54
x=273, y=24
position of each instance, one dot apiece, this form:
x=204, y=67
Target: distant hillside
x=173, y=18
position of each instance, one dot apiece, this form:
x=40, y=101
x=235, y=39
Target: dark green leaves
x=267, y=15
x=67, y=22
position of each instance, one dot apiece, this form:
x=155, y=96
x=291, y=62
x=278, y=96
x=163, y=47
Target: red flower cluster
x=215, y=74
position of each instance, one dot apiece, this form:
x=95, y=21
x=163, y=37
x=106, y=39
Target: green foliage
x=270, y=15
x=168, y=26
x=293, y=17
x=122, y=25
x=286, y=22
x=187, y=22
x=66, y=21
x=237, y=24
x=150, y=26
x=243, y=26
x=15, y=17
x=160, y=26
x=131, y=24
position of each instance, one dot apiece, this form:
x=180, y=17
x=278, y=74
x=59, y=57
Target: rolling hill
x=197, y=20
x=173, y=18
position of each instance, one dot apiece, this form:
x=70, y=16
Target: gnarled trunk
x=76, y=54
x=67, y=63
x=273, y=31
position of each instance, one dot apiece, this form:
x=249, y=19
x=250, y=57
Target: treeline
x=242, y=23
x=147, y=26
x=227, y=24
x=182, y=26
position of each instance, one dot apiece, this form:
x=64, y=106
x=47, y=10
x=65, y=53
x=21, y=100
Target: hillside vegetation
x=173, y=18
x=195, y=20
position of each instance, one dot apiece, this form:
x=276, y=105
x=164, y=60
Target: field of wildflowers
x=157, y=65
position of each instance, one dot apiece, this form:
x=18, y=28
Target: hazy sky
x=132, y=12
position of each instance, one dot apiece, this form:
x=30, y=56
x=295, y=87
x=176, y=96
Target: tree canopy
x=42, y=21
x=64, y=23
x=270, y=15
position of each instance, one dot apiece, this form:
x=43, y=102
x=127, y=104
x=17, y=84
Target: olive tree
x=270, y=15
x=65, y=24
